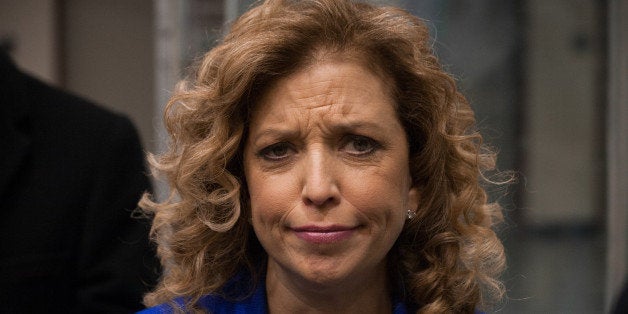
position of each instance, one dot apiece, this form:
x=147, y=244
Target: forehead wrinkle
x=313, y=96
x=339, y=115
x=294, y=123
x=315, y=100
x=313, y=92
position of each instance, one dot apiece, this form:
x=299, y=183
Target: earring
x=411, y=214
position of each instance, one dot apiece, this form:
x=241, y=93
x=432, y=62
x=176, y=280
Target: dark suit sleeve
x=116, y=264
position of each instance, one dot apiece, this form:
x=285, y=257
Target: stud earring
x=411, y=214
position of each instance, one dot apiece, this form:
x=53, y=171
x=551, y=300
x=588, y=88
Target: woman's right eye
x=276, y=152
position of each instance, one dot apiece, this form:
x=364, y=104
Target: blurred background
x=548, y=81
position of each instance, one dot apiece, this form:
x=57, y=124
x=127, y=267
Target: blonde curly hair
x=447, y=258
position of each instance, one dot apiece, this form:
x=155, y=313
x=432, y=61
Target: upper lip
x=314, y=228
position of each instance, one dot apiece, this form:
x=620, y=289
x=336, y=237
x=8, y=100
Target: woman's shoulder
x=159, y=309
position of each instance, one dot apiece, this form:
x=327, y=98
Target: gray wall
x=30, y=26
x=108, y=56
x=101, y=50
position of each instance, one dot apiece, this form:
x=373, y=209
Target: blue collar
x=254, y=303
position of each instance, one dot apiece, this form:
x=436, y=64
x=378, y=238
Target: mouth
x=324, y=234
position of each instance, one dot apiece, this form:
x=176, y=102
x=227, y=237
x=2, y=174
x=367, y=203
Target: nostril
x=318, y=202
x=320, y=195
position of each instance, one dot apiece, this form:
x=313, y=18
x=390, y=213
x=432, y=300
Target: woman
x=322, y=161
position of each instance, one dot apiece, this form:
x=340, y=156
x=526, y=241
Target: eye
x=360, y=145
x=276, y=152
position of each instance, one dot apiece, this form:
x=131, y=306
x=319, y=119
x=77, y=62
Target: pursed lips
x=323, y=234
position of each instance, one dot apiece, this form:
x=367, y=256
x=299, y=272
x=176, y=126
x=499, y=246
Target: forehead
x=331, y=87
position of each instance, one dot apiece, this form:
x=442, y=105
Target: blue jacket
x=255, y=303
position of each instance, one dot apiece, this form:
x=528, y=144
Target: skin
x=326, y=162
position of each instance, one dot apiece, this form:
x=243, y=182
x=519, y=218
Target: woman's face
x=326, y=163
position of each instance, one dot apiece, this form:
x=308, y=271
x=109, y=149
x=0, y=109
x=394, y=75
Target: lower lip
x=318, y=237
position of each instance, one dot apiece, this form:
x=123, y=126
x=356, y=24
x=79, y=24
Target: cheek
x=270, y=198
x=381, y=188
x=382, y=204
x=263, y=208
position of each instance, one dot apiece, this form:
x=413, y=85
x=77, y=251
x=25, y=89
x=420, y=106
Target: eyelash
x=268, y=150
x=269, y=153
x=373, y=145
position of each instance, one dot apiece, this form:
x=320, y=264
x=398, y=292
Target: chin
x=328, y=272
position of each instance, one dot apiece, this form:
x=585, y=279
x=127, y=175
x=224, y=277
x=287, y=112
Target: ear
x=413, y=199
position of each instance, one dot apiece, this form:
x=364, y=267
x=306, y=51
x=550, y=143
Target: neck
x=287, y=293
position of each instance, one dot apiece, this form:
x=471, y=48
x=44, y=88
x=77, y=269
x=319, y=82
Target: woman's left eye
x=360, y=145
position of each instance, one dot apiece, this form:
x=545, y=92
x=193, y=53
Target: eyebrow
x=276, y=133
x=282, y=132
x=358, y=125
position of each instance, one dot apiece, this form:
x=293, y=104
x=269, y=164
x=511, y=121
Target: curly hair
x=447, y=257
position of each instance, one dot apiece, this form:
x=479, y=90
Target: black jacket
x=71, y=173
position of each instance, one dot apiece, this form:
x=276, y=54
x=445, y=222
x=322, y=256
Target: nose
x=320, y=186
